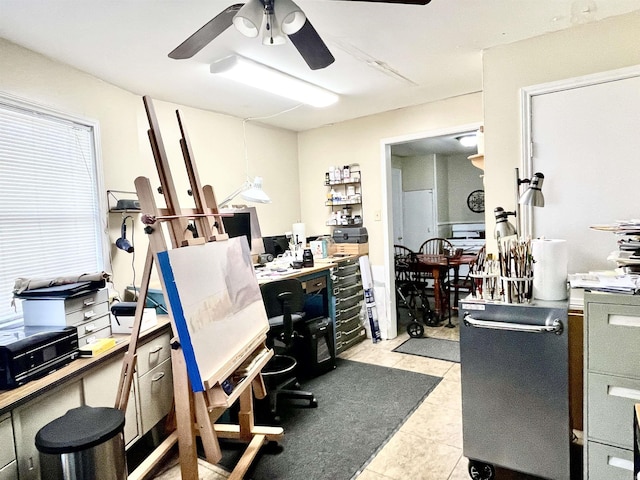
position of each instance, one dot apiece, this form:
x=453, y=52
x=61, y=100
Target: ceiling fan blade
x=206, y=33
x=311, y=47
x=408, y=2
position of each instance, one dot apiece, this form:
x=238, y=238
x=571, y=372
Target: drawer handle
x=623, y=392
x=346, y=299
x=155, y=349
x=353, y=331
x=552, y=326
x=620, y=463
x=158, y=376
x=88, y=302
x=89, y=314
x=90, y=328
x=624, y=321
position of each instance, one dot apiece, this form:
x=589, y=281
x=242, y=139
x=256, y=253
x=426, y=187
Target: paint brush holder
x=517, y=289
x=485, y=286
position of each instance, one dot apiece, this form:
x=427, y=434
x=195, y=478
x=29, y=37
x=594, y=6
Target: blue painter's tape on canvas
x=180, y=322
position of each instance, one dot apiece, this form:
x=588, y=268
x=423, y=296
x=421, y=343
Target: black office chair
x=284, y=302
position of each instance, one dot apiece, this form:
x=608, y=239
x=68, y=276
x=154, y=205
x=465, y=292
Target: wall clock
x=475, y=201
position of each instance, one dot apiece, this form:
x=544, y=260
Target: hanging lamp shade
x=255, y=193
x=248, y=20
x=504, y=228
x=289, y=15
x=533, y=195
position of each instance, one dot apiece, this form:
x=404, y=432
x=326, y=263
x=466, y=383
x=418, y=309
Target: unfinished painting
x=216, y=303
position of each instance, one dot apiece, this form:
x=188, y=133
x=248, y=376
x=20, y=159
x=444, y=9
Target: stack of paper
x=606, y=282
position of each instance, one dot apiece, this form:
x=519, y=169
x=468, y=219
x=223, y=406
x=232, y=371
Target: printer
x=350, y=235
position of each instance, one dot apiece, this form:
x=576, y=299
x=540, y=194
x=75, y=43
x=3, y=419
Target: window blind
x=50, y=219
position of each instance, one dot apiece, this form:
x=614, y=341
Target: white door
x=419, y=218
x=396, y=192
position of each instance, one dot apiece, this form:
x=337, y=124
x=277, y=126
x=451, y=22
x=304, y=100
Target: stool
x=86, y=443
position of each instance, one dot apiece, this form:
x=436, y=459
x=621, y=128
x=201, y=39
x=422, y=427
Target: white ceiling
x=437, y=48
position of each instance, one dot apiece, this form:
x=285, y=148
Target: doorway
x=414, y=168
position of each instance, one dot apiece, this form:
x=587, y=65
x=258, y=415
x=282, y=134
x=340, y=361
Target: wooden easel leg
x=185, y=417
x=245, y=416
x=205, y=428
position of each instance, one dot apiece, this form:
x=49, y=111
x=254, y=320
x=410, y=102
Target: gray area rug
x=360, y=406
x=448, y=350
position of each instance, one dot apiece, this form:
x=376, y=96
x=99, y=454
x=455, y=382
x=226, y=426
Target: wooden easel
x=195, y=412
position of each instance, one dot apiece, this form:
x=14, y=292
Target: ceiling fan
x=275, y=18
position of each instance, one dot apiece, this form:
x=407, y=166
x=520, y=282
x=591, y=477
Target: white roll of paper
x=549, y=269
x=298, y=234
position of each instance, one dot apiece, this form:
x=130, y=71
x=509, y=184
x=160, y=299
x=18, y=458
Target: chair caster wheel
x=314, y=403
x=273, y=447
x=415, y=330
x=481, y=471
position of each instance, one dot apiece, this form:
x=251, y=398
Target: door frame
x=387, y=225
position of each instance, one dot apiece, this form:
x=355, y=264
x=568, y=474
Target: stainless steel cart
x=515, y=393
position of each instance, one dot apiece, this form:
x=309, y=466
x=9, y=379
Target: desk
x=315, y=280
x=333, y=289
x=438, y=266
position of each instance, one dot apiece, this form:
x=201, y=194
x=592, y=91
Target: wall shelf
x=123, y=205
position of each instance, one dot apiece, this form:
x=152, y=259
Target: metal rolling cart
x=515, y=398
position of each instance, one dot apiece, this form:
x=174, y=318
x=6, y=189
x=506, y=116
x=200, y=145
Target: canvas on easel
x=216, y=313
x=216, y=303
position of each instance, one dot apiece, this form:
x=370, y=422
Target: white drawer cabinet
x=612, y=383
x=8, y=449
x=29, y=418
x=89, y=313
x=153, y=353
x=156, y=394
x=100, y=388
x=9, y=472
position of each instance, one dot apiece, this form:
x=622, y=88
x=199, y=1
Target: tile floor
x=428, y=446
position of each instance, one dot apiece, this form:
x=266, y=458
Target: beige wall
x=418, y=173
x=606, y=45
x=217, y=142
x=359, y=141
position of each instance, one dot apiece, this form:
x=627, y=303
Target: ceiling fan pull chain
x=267, y=26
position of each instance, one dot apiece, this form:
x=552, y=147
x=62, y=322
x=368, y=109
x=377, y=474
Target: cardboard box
x=319, y=248
x=350, y=248
x=124, y=323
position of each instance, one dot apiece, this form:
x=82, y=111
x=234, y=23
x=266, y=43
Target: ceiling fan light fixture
x=249, y=18
x=265, y=78
x=290, y=16
x=271, y=33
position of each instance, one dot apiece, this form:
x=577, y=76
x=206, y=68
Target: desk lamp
x=531, y=196
x=250, y=191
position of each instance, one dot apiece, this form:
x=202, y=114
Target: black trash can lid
x=80, y=429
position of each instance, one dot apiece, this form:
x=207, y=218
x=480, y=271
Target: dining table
x=438, y=265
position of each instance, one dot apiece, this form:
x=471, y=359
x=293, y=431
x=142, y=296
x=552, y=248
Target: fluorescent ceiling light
x=273, y=81
x=468, y=140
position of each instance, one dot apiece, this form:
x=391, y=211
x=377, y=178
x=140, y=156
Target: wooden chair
x=465, y=284
x=436, y=246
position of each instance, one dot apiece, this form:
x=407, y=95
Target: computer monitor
x=244, y=221
x=276, y=245
x=238, y=225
